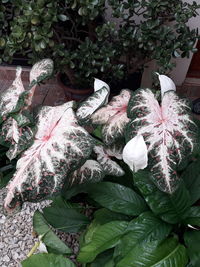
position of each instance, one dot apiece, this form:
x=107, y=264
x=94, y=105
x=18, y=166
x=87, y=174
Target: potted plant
x=85, y=43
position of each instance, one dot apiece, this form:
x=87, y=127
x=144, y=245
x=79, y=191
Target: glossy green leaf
x=193, y=216
x=105, y=237
x=104, y=259
x=48, y=237
x=191, y=177
x=169, y=253
x=101, y=216
x=117, y=198
x=172, y=208
x=145, y=228
x=47, y=260
x=70, y=220
x=192, y=241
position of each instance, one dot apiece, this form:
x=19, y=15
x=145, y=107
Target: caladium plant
x=168, y=130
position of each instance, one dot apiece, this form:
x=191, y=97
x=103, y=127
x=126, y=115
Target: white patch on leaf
x=166, y=84
x=135, y=153
x=95, y=101
x=60, y=147
x=113, y=117
x=168, y=130
x=109, y=166
x=90, y=171
x=10, y=97
x=41, y=70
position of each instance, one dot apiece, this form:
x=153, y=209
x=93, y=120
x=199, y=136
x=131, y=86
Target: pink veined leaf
x=9, y=99
x=109, y=166
x=113, y=117
x=90, y=171
x=60, y=147
x=168, y=131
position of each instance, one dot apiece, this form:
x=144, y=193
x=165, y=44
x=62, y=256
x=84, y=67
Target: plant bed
x=139, y=170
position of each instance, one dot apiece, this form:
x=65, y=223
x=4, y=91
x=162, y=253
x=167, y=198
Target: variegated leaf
x=40, y=71
x=168, y=131
x=93, y=102
x=109, y=166
x=115, y=150
x=90, y=171
x=60, y=147
x=113, y=117
x=10, y=98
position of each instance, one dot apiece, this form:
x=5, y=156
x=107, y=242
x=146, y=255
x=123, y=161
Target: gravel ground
x=16, y=234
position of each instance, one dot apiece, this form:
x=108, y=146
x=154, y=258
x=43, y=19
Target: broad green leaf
x=47, y=260
x=48, y=237
x=117, y=198
x=192, y=241
x=105, y=237
x=172, y=208
x=168, y=130
x=169, y=253
x=193, y=216
x=145, y=228
x=191, y=177
x=4, y=179
x=103, y=260
x=101, y=216
x=70, y=220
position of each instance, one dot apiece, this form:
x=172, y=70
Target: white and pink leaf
x=168, y=131
x=90, y=172
x=113, y=117
x=60, y=147
x=109, y=166
x=10, y=98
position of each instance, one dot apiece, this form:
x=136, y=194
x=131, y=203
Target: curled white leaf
x=98, y=84
x=166, y=84
x=135, y=153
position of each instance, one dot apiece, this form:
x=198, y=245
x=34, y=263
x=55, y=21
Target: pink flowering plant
x=134, y=159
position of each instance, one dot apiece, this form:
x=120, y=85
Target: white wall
x=182, y=64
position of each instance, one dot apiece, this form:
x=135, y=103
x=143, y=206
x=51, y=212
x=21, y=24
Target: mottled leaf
x=10, y=98
x=40, y=71
x=113, y=117
x=168, y=131
x=60, y=146
x=93, y=102
x=90, y=171
x=109, y=166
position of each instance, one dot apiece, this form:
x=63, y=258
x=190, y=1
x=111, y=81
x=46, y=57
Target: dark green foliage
x=76, y=35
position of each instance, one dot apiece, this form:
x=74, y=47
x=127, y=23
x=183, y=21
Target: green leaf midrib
x=173, y=252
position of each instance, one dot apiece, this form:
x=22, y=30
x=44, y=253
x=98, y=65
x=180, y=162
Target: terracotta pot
x=73, y=93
